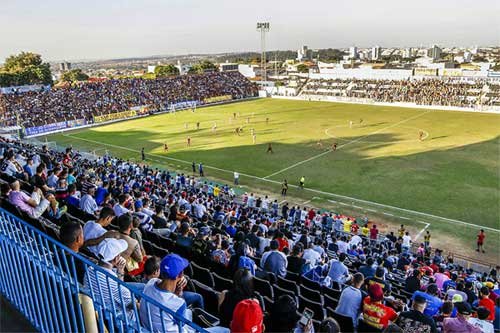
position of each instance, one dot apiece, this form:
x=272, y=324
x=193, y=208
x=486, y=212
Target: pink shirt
x=19, y=199
x=440, y=279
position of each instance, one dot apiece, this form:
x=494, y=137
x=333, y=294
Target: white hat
x=110, y=248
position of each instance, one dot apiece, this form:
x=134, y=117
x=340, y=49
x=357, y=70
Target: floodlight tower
x=263, y=27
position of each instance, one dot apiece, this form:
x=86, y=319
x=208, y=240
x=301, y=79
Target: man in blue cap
x=168, y=291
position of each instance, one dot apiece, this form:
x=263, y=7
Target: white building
x=183, y=68
x=353, y=52
x=434, y=52
x=249, y=71
x=228, y=67
x=376, y=52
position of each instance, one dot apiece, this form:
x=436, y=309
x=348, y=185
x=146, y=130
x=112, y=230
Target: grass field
x=453, y=173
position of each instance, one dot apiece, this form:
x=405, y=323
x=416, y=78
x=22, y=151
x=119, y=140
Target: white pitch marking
x=421, y=231
x=345, y=144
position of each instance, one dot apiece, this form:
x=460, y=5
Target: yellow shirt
x=365, y=231
x=216, y=191
x=347, y=226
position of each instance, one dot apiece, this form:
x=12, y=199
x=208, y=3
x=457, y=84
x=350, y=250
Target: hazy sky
x=97, y=29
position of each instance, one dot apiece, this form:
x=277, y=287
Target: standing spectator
x=405, y=246
x=373, y=234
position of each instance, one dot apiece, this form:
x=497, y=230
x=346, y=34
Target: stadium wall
x=352, y=100
x=38, y=276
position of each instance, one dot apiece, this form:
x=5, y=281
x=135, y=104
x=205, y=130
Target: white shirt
x=406, y=240
x=355, y=240
x=169, y=300
x=120, y=210
x=92, y=230
x=88, y=204
x=485, y=326
x=311, y=256
x=342, y=246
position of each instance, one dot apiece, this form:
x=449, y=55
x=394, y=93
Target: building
x=376, y=52
x=434, y=52
x=228, y=67
x=304, y=54
x=151, y=68
x=249, y=71
x=183, y=68
x=353, y=52
x=64, y=66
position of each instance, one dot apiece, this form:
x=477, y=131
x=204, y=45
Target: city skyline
x=125, y=29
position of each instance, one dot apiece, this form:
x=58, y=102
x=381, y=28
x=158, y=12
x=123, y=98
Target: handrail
x=38, y=275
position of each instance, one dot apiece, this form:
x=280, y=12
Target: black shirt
x=295, y=264
x=414, y=321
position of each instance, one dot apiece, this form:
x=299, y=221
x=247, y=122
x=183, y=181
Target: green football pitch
x=426, y=168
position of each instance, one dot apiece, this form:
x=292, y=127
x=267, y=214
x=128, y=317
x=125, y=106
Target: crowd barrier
x=38, y=276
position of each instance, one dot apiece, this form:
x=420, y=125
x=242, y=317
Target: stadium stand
x=68, y=269
x=87, y=100
x=443, y=92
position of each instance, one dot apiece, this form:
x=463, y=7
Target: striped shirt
x=108, y=291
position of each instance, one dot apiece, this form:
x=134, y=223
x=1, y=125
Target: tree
x=202, y=67
x=166, y=70
x=496, y=67
x=25, y=68
x=302, y=68
x=74, y=75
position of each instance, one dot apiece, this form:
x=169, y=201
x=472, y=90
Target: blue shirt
x=338, y=272
x=100, y=195
x=350, y=303
x=433, y=303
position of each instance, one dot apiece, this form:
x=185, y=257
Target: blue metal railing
x=38, y=275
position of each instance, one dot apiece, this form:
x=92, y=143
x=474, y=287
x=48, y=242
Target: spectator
x=151, y=269
x=92, y=230
x=338, y=271
x=34, y=205
x=71, y=235
x=247, y=317
x=434, y=303
x=415, y=319
x=375, y=313
x=295, y=261
x=482, y=321
x=461, y=323
x=412, y=283
x=379, y=279
x=242, y=289
x=88, y=203
x=274, y=261
x=367, y=269
x=329, y=325
x=351, y=299
x=486, y=302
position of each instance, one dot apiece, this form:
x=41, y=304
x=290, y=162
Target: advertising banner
x=425, y=72
x=54, y=127
x=115, y=116
x=182, y=105
x=217, y=99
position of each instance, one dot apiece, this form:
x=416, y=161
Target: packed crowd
x=450, y=92
x=90, y=99
x=277, y=259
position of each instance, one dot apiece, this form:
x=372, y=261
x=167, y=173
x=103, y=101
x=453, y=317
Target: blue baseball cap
x=172, y=265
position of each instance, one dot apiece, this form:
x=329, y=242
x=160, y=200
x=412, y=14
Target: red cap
x=376, y=292
x=247, y=317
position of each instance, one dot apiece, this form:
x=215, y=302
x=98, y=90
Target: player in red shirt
x=480, y=241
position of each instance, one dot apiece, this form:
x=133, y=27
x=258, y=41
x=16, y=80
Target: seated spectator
x=329, y=325
x=87, y=202
x=338, y=271
x=482, y=321
x=485, y=301
x=312, y=257
x=367, y=269
x=446, y=312
x=274, y=261
x=73, y=198
x=461, y=323
x=242, y=289
x=185, y=236
x=351, y=299
x=434, y=303
x=221, y=255
x=375, y=313
x=39, y=179
x=92, y=230
x=283, y=316
x=379, y=279
x=71, y=235
x=11, y=167
x=415, y=319
x=34, y=205
x=412, y=283
x=295, y=261
x=151, y=269
x=247, y=317
x=108, y=252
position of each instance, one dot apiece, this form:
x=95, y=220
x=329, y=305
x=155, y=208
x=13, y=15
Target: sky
x=104, y=29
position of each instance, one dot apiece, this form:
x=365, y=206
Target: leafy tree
x=166, y=70
x=25, y=68
x=302, y=68
x=496, y=67
x=479, y=58
x=74, y=75
x=202, y=67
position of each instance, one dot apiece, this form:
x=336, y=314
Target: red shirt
x=480, y=238
x=373, y=233
x=282, y=243
x=490, y=305
x=377, y=314
x=355, y=228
